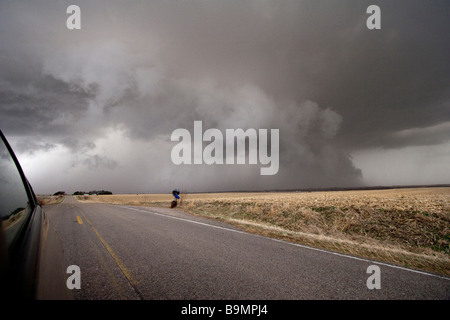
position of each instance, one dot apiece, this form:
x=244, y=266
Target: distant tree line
x=96, y=192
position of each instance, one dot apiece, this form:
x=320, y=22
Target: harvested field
x=408, y=227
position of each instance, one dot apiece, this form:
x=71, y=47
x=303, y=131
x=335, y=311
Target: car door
x=31, y=257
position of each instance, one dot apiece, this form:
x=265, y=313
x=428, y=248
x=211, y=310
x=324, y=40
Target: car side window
x=14, y=202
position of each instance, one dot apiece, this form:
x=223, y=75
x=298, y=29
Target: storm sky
x=95, y=108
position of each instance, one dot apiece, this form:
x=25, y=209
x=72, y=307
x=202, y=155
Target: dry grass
x=408, y=227
x=46, y=200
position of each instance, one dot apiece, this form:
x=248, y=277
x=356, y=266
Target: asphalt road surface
x=126, y=252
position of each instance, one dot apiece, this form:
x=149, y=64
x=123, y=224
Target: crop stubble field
x=408, y=227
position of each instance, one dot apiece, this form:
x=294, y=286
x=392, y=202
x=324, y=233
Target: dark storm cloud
x=310, y=68
x=433, y=135
x=39, y=105
x=98, y=161
x=393, y=80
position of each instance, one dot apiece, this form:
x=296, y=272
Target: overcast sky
x=95, y=108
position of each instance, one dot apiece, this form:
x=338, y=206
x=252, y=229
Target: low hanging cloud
x=147, y=103
x=431, y=135
x=104, y=100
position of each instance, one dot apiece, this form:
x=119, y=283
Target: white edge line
x=289, y=243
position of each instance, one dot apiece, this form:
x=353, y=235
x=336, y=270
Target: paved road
x=129, y=252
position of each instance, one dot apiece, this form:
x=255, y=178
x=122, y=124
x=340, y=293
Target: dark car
x=31, y=256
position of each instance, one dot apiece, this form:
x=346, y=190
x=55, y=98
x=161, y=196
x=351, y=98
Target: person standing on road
x=176, y=194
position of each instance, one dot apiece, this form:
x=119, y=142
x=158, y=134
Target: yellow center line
x=79, y=220
x=118, y=261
